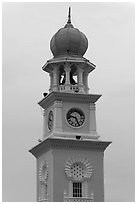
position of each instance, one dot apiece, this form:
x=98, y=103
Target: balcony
x=79, y=199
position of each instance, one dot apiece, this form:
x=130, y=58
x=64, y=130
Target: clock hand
x=75, y=118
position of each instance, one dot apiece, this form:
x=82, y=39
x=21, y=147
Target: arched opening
x=73, y=75
x=62, y=75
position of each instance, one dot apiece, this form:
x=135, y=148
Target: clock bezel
x=72, y=125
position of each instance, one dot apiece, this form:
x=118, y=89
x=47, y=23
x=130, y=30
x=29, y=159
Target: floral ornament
x=78, y=168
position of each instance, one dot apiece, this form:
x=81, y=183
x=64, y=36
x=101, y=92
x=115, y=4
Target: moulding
x=92, y=106
x=69, y=59
x=72, y=135
x=71, y=97
x=58, y=104
x=52, y=143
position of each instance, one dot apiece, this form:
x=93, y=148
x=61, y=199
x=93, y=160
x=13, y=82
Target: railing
x=70, y=87
x=43, y=200
x=79, y=199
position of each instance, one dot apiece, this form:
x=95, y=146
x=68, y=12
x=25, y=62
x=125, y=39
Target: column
x=80, y=72
x=57, y=116
x=44, y=124
x=55, y=77
x=51, y=81
x=85, y=81
x=80, y=79
x=67, y=71
x=92, y=120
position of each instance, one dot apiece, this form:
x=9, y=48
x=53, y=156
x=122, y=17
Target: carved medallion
x=78, y=168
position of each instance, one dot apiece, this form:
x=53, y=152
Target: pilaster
x=92, y=128
x=85, y=81
x=44, y=123
x=85, y=189
x=57, y=116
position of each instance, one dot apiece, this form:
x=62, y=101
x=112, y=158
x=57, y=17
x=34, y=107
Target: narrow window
x=77, y=189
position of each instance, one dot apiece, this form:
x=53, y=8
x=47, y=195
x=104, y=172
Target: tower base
x=64, y=164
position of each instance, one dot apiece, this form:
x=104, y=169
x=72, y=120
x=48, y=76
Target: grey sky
x=27, y=30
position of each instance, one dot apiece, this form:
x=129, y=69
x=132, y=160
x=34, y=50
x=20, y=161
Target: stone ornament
x=43, y=172
x=50, y=120
x=78, y=168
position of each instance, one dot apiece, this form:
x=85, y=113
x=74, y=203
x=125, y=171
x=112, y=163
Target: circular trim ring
x=82, y=113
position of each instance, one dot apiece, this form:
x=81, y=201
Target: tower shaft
x=70, y=155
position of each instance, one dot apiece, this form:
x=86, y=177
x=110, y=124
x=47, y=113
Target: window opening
x=77, y=189
x=77, y=170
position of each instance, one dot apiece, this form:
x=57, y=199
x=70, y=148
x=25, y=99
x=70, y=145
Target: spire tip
x=69, y=15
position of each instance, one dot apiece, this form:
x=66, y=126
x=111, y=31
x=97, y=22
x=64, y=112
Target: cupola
x=68, y=69
x=68, y=41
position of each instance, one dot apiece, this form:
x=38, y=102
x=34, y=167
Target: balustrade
x=70, y=88
x=79, y=199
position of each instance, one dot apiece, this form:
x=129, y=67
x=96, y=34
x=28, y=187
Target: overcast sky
x=27, y=30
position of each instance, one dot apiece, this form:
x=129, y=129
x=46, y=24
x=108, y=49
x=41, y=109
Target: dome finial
x=69, y=15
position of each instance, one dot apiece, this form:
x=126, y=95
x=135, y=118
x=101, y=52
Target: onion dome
x=68, y=41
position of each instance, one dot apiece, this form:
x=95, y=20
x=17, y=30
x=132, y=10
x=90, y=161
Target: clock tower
x=70, y=155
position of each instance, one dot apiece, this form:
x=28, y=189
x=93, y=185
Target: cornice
x=71, y=97
x=52, y=143
x=72, y=59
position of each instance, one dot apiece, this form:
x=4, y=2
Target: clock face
x=75, y=117
x=50, y=120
